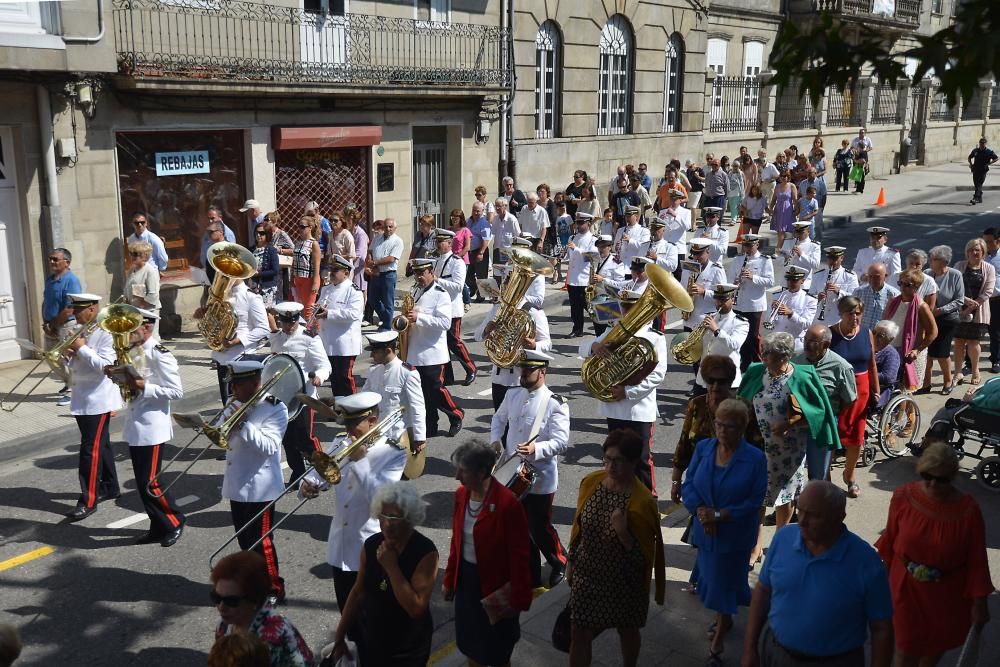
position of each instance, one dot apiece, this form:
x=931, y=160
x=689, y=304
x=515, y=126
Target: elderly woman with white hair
x=390, y=601
x=979, y=279
x=142, y=285
x=917, y=259
x=949, y=301
x=886, y=358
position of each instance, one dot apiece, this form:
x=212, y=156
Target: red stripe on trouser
x=312, y=425
x=350, y=375
x=463, y=352
x=268, y=546
x=449, y=402
x=154, y=487
x=95, y=462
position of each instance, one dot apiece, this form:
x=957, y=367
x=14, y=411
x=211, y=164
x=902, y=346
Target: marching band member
x=877, y=252
x=251, y=329
x=578, y=270
x=148, y=426
x=831, y=283
x=727, y=331
x=253, y=465
x=537, y=425
x=367, y=469
x=753, y=275
x=664, y=254
x=716, y=233
x=535, y=296
x=342, y=308
x=398, y=383
x=711, y=275
x=632, y=237
x=634, y=407
x=93, y=400
x=430, y=320
x=291, y=339
x=450, y=272
x=609, y=274
x=676, y=221
x=796, y=309
x=801, y=252
x=639, y=281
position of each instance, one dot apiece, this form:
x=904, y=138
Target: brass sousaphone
x=231, y=262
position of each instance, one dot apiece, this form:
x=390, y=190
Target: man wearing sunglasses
x=140, y=226
x=703, y=280
x=877, y=253
x=57, y=310
x=796, y=310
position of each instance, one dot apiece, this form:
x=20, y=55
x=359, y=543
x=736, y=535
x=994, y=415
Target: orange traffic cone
x=881, y=197
x=739, y=232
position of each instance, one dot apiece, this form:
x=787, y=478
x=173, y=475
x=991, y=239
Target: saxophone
x=401, y=323
x=694, y=270
x=591, y=290
x=231, y=262
x=633, y=357
x=505, y=343
x=686, y=346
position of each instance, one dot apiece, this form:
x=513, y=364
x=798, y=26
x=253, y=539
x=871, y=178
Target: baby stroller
x=959, y=424
x=892, y=426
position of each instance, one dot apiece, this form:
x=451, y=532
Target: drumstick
x=500, y=463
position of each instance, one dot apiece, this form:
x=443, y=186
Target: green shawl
x=808, y=390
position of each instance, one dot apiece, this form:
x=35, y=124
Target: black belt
x=382, y=273
x=804, y=657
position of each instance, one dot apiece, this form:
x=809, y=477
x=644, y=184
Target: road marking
x=905, y=241
x=485, y=392
x=442, y=653
x=944, y=229
x=138, y=517
x=25, y=558
x=186, y=500
x=963, y=220
x=983, y=213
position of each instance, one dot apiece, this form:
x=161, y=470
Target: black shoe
x=148, y=538
x=770, y=520
x=101, y=497
x=469, y=379
x=995, y=368
x=81, y=512
x=455, y=427
x=922, y=391
x=973, y=201
x=556, y=576
x=171, y=538
x=433, y=432
x=575, y=333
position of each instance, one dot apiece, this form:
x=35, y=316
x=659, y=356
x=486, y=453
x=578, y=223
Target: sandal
x=975, y=379
x=959, y=379
x=714, y=658
x=853, y=490
x=945, y=390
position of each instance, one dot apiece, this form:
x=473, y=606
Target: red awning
x=351, y=136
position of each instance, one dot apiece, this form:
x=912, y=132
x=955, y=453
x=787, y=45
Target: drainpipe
x=502, y=139
x=511, y=140
x=76, y=39
x=52, y=208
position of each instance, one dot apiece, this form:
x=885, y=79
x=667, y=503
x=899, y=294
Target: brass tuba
x=632, y=357
x=120, y=320
x=505, y=343
x=231, y=262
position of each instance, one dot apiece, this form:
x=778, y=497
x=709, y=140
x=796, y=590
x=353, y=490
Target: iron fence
x=792, y=110
x=995, y=102
x=973, y=110
x=735, y=102
x=906, y=11
x=248, y=41
x=843, y=107
x=939, y=108
x=885, y=107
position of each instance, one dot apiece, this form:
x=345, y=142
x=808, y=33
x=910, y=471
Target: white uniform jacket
x=518, y=412
x=428, y=344
x=450, y=271
x=511, y=377
x=884, y=255
x=147, y=421
x=352, y=522
x=306, y=350
x=711, y=275
x=727, y=341
x=93, y=392
x=666, y=254
x=253, y=462
x=640, y=399
x=340, y=331
x=251, y=322
x=846, y=282
x=803, y=313
x=578, y=270
x=676, y=223
x=719, y=236
x=810, y=259
x=638, y=237
x=612, y=272
x=398, y=383
x=753, y=292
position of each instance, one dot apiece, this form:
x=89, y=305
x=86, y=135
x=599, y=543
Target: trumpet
x=328, y=466
x=788, y=255
x=694, y=270
x=775, y=305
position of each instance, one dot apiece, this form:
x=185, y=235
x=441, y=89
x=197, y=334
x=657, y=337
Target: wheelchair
x=891, y=427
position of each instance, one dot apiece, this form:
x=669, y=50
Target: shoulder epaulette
x=159, y=347
x=740, y=317
x=273, y=400
x=717, y=265
x=559, y=398
x=409, y=366
x=440, y=288
x=851, y=271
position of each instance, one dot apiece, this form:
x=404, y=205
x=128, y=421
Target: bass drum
x=517, y=475
x=292, y=381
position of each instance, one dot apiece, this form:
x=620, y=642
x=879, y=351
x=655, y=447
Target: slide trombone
x=327, y=465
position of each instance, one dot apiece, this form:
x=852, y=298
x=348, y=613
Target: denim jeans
x=817, y=460
x=382, y=290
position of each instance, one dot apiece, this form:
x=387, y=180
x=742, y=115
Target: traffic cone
x=739, y=232
x=881, y=197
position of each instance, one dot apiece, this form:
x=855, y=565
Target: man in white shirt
x=676, y=221
x=450, y=271
x=581, y=252
x=505, y=229
x=768, y=174
x=715, y=232
x=753, y=274
x=861, y=143
x=398, y=383
x=252, y=329
x=534, y=220
x=632, y=239
x=796, y=310
x=725, y=332
x=832, y=283
x=801, y=252
x=877, y=253
x=140, y=225
x=385, y=252
x=339, y=310
x=702, y=275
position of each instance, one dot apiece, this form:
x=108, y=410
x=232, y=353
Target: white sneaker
x=64, y=400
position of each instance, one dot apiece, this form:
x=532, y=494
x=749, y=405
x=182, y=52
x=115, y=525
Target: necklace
x=840, y=328
x=482, y=503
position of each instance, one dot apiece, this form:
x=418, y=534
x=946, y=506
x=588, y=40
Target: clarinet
x=739, y=280
x=826, y=293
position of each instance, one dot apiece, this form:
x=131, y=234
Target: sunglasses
x=136, y=254
x=715, y=381
x=260, y=233
x=907, y=284
x=55, y=259
x=940, y=479
x=231, y=601
x=138, y=222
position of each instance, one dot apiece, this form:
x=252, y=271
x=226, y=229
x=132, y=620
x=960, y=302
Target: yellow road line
x=25, y=558
x=442, y=653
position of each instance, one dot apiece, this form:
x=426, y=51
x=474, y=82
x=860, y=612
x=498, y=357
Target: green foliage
x=831, y=51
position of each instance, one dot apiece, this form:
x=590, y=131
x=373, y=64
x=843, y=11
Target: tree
x=831, y=52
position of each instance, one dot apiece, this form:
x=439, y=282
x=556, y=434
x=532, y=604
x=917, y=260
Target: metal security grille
x=940, y=110
x=844, y=107
x=973, y=109
x=792, y=110
x=333, y=178
x=885, y=110
x=995, y=102
x=730, y=112
x=547, y=67
x=428, y=183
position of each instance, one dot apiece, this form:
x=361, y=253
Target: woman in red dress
x=934, y=547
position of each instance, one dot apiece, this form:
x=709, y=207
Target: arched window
x=615, y=110
x=548, y=65
x=673, y=84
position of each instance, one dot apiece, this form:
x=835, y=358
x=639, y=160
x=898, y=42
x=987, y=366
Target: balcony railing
x=240, y=41
x=903, y=11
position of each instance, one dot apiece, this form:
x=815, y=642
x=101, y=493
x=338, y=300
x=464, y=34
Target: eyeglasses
x=231, y=601
x=136, y=254
x=138, y=222
x=718, y=381
x=907, y=284
x=729, y=426
x=304, y=226
x=388, y=518
x=260, y=232
x=940, y=479
x=614, y=460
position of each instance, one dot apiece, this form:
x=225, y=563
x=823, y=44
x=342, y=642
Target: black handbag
x=561, y=631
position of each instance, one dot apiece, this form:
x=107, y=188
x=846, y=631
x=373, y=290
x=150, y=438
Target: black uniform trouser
x=750, y=350
x=994, y=327
x=578, y=306
x=599, y=328
x=300, y=442
x=978, y=178
x=222, y=372
x=538, y=509
x=342, y=376
x=437, y=397
x=458, y=351
x=499, y=392
x=242, y=514
x=645, y=471
x=679, y=270
x=98, y=476
x=163, y=514
x=477, y=271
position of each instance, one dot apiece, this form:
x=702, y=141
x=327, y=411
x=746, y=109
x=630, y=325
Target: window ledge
x=36, y=41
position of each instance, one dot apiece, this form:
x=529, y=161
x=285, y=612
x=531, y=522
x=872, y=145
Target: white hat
x=802, y=224
x=249, y=204
x=358, y=406
x=835, y=250
x=83, y=299
x=878, y=230
x=640, y=259
x=148, y=315
x=582, y=216
x=535, y=359
x=244, y=369
x=724, y=290
x=288, y=310
x=750, y=238
x=443, y=234
x=382, y=338
x=712, y=210
x=604, y=238
x=700, y=244
x=631, y=209
x=524, y=241
x=340, y=262
x=421, y=263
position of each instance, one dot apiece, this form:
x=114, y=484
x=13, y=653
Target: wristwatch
x=718, y=515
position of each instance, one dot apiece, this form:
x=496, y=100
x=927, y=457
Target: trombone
x=327, y=465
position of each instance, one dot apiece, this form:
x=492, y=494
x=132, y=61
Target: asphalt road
x=85, y=595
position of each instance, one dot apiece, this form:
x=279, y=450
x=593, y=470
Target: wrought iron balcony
x=897, y=12
x=232, y=40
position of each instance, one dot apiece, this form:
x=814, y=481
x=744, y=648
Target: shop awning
x=346, y=136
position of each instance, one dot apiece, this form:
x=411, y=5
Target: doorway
x=430, y=149
x=13, y=288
